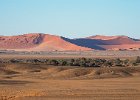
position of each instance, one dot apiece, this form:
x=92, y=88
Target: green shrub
x=52, y=62
x=62, y=62
x=118, y=62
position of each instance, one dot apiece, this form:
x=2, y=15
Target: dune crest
x=47, y=42
x=102, y=37
x=37, y=42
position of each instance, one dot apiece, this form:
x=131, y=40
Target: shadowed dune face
x=37, y=42
x=51, y=43
x=46, y=42
x=115, y=40
x=106, y=42
x=94, y=44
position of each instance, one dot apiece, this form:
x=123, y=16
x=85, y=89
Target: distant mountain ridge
x=47, y=42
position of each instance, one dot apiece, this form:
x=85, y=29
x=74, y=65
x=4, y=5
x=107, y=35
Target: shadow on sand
x=13, y=82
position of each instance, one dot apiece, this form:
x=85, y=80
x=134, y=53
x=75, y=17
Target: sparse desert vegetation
x=82, y=62
x=39, y=77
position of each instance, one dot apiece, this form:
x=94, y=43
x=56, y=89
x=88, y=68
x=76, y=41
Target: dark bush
x=138, y=59
x=108, y=63
x=15, y=60
x=84, y=62
x=52, y=62
x=118, y=62
x=126, y=62
x=62, y=62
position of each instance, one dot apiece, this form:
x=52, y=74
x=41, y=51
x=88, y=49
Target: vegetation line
x=83, y=62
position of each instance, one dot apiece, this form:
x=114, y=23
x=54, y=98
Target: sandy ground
x=70, y=54
x=41, y=82
x=103, y=89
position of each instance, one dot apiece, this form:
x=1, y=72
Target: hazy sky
x=70, y=18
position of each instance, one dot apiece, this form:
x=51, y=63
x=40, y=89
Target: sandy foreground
x=102, y=89
x=69, y=83
x=41, y=82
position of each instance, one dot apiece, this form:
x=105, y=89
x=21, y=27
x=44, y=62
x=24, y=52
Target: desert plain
x=40, y=81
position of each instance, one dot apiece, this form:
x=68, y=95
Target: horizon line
x=67, y=37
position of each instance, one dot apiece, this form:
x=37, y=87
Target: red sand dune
x=20, y=41
x=118, y=42
x=37, y=42
x=101, y=37
x=122, y=47
x=46, y=42
x=115, y=39
x=52, y=42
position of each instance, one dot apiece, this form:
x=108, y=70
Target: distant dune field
x=47, y=42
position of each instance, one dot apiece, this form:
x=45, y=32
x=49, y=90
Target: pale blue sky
x=70, y=18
